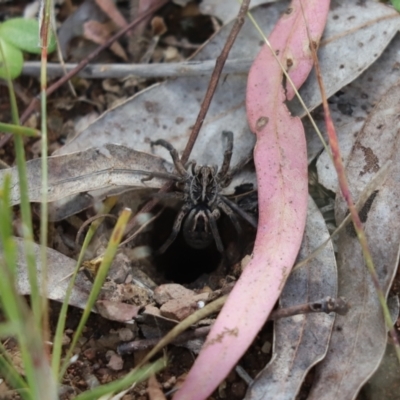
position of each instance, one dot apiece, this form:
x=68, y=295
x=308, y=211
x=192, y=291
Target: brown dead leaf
x=99, y=33
x=109, y=8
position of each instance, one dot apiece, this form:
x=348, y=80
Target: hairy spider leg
x=175, y=228
x=242, y=213
x=227, y=155
x=212, y=220
x=174, y=155
x=228, y=211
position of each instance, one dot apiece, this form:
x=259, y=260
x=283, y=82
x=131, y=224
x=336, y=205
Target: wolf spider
x=199, y=187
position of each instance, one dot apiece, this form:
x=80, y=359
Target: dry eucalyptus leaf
x=168, y=110
x=302, y=340
x=359, y=339
x=94, y=169
x=351, y=106
x=58, y=267
x=99, y=33
x=59, y=271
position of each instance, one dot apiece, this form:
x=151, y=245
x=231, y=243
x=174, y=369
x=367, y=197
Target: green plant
x=18, y=35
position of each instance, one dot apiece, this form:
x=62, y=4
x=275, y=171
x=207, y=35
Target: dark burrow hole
x=184, y=264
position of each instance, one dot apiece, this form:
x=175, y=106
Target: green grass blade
x=11, y=375
x=25, y=206
x=45, y=33
x=109, y=254
x=58, y=337
x=19, y=130
x=29, y=335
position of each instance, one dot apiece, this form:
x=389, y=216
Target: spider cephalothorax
x=200, y=190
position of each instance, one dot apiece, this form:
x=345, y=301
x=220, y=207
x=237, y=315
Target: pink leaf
x=281, y=162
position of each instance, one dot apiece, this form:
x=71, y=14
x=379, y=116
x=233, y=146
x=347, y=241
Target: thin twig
x=157, y=70
x=89, y=221
x=32, y=106
x=146, y=224
x=219, y=65
x=326, y=305
x=143, y=344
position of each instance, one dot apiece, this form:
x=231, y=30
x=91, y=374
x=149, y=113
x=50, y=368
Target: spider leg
x=174, y=155
x=212, y=220
x=229, y=212
x=227, y=154
x=233, y=206
x=175, y=229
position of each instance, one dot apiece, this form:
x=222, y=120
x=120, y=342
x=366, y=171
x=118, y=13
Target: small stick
x=219, y=65
x=327, y=305
x=28, y=111
x=89, y=221
x=143, y=344
x=157, y=70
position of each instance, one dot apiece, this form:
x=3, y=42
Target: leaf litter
x=172, y=117
x=295, y=349
x=359, y=340
x=352, y=105
x=153, y=117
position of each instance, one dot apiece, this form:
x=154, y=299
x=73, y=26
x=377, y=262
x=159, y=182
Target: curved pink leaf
x=281, y=162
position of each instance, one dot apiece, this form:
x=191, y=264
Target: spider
x=199, y=187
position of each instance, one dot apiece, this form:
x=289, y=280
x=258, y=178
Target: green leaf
x=24, y=34
x=19, y=130
x=13, y=57
x=396, y=4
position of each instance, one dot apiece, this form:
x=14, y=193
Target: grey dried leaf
x=359, y=339
x=59, y=272
x=350, y=108
x=93, y=169
x=59, y=267
x=302, y=340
